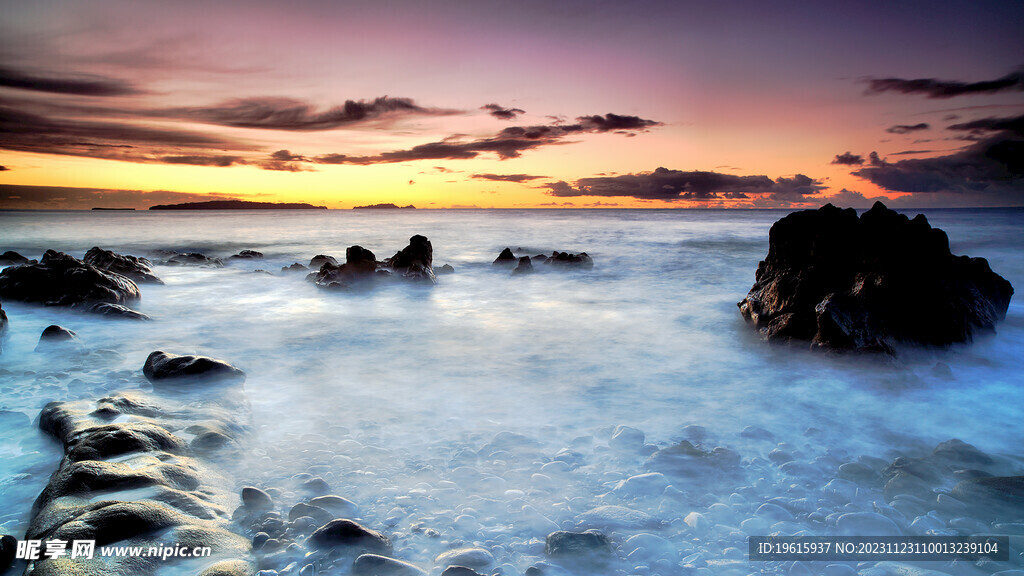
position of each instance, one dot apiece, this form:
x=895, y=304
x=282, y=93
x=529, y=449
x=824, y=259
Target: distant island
x=237, y=205
x=384, y=207
x=100, y=208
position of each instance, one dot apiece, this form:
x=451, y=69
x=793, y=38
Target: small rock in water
x=248, y=255
x=315, y=512
x=506, y=258
x=524, y=266
x=626, y=438
x=321, y=259
x=134, y=267
x=296, y=267
x=8, y=547
x=342, y=532
x=446, y=269
x=866, y=524
x=54, y=334
x=615, y=518
x=460, y=571
x=564, y=543
x=757, y=433
x=161, y=366
x=343, y=507
x=194, y=259
x=469, y=557
x=376, y=565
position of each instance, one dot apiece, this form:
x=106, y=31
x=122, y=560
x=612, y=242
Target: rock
x=294, y=268
x=62, y=280
x=116, y=311
x=114, y=440
x=319, y=260
x=12, y=258
x=615, y=518
x=460, y=571
x=343, y=507
x=848, y=283
x=1000, y=497
x=137, y=268
x=194, y=259
x=248, y=255
x=54, y=337
x=506, y=258
x=524, y=266
x=360, y=266
x=4, y=323
x=256, y=500
x=587, y=543
x=162, y=367
x=961, y=454
x=866, y=524
x=415, y=261
x=446, y=269
x=346, y=533
x=8, y=548
x=649, y=484
x=626, y=438
x=566, y=260
x=476, y=558
x=375, y=565
x=315, y=512
x=685, y=460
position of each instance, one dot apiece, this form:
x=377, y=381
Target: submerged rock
x=998, y=496
x=137, y=268
x=320, y=259
x=524, y=266
x=468, y=557
x=567, y=260
x=194, y=259
x=589, y=543
x=63, y=280
x=247, y=255
x=376, y=565
x=506, y=258
x=294, y=268
x=446, y=269
x=55, y=336
x=161, y=367
x=117, y=311
x=346, y=533
x=361, y=268
x=848, y=283
x=12, y=258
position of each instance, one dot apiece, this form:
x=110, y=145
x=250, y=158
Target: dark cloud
x=1013, y=125
x=41, y=197
x=502, y=113
x=992, y=164
x=199, y=160
x=945, y=88
x=510, y=142
x=507, y=177
x=4, y=168
x=82, y=86
x=907, y=128
x=848, y=159
x=674, y=185
x=910, y=152
x=286, y=156
x=295, y=115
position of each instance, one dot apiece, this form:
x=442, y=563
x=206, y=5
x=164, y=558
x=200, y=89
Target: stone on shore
x=62, y=280
x=589, y=543
x=162, y=367
x=12, y=258
x=846, y=283
x=137, y=268
x=376, y=565
x=347, y=533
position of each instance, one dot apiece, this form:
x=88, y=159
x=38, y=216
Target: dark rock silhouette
x=524, y=266
x=294, y=268
x=8, y=549
x=161, y=367
x=4, y=323
x=506, y=258
x=446, y=269
x=581, y=260
x=415, y=261
x=248, y=255
x=117, y=311
x=320, y=259
x=12, y=258
x=138, y=269
x=360, y=265
x=848, y=283
x=62, y=280
x=194, y=259
x=412, y=263
x=349, y=534
x=55, y=333
x=563, y=543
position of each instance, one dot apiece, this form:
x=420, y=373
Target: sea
x=390, y=394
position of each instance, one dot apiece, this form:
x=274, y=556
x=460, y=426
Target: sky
x=516, y=104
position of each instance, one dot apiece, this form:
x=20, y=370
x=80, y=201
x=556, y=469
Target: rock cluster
x=138, y=269
x=62, y=280
x=414, y=263
x=557, y=260
x=869, y=283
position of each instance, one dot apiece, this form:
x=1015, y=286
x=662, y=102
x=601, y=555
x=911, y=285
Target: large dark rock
x=415, y=261
x=12, y=258
x=8, y=548
x=161, y=367
x=248, y=255
x=320, y=259
x=194, y=259
x=360, y=265
x=56, y=337
x=525, y=266
x=506, y=258
x=591, y=542
x=342, y=532
x=848, y=283
x=567, y=260
x=62, y=280
x=134, y=267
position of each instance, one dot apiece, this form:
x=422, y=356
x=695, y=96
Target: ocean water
x=390, y=394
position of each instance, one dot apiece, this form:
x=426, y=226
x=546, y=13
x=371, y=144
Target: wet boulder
x=194, y=259
x=589, y=543
x=138, y=269
x=62, y=280
x=581, y=261
x=524, y=266
x=684, y=460
x=415, y=261
x=8, y=549
x=296, y=267
x=349, y=534
x=376, y=565
x=113, y=440
x=506, y=258
x=248, y=255
x=116, y=311
x=1000, y=497
x=846, y=283
x=55, y=336
x=162, y=367
x=360, y=266
x=12, y=258
x=320, y=259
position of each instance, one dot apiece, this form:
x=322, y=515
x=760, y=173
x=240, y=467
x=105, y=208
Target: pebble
x=472, y=557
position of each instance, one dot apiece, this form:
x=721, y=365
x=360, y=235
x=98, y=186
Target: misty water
x=478, y=412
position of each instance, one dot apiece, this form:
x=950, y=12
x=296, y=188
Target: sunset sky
x=513, y=104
